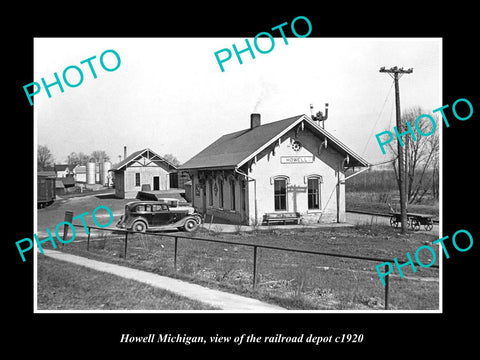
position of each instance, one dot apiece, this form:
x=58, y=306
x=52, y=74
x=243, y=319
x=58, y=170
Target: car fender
x=129, y=224
x=197, y=217
x=183, y=220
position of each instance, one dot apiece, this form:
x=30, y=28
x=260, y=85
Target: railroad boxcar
x=45, y=190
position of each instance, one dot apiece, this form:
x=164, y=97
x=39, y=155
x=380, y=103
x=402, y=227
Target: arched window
x=232, y=193
x=280, y=192
x=210, y=192
x=220, y=192
x=313, y=192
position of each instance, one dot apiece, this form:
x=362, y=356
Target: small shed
x=59, y=187
x=80, y=173
x=62, y=170
x=142, y=168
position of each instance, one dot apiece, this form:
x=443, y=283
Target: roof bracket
x=298, y=128
x=322, y=144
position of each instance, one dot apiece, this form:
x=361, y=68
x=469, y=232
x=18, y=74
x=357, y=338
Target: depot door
x=156, y=183
x=204, y=199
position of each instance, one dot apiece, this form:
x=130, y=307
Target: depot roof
x=237, y=148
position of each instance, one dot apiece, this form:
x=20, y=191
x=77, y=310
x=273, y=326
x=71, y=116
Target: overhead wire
x=378, y=118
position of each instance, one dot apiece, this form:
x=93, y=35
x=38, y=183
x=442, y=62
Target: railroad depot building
x=291, y=167
x=143, y=169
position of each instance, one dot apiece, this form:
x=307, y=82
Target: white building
x=292, y=167
x=80, y=173
x=143, y=168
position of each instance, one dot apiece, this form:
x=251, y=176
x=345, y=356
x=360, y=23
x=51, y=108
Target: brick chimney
x=254, y=120
x=124, y=152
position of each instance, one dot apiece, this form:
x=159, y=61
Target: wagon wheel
x=429, y=225
x=415, y=224
x=393, y=222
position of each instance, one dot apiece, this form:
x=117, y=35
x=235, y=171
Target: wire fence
x=331, y=280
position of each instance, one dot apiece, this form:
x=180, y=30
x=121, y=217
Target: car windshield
x=160, y=207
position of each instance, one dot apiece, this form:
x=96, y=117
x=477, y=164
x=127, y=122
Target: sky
x=169, y=94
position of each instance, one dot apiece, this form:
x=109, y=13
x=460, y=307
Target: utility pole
x=402, y=183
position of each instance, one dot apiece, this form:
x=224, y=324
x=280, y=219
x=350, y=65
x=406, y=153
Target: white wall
x=267, y=166
x=326, y=165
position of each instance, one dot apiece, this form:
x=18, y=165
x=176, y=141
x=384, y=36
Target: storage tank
x=101, y=174
x=97, y=173
x=91, y=173
x=104, y=173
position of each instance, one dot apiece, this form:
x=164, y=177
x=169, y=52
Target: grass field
x=291, y=280
x=372, y=191
x=65, y=286
x=378, y=203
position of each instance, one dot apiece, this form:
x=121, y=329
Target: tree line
x=421, y=163
x=46, y=160
x=421, y=157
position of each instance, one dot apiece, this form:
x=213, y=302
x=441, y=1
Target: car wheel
x=190, y=225
x=139, y=226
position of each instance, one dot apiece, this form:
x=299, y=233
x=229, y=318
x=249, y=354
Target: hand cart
x=413, y=221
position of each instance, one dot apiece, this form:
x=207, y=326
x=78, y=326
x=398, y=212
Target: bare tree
x=421, y=155
x=44, y=157
x=436, y=170
x=100, y=156
x=77, y=159
x=428, y=168
x=171, y=159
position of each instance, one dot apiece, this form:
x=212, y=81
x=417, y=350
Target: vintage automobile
x=156, y=215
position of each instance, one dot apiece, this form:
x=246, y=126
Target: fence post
x=175, y=254
x=254, y=266
x=68, y=218
x=386, y=289
x=126, y=237
x=88, y=239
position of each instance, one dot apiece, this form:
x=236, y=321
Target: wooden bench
x=283, y=217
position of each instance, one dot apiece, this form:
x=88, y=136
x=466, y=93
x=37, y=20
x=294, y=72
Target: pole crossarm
x=396, y=70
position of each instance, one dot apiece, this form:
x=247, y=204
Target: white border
x=440, y=310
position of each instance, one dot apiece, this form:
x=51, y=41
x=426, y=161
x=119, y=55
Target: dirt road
x=50, y=216
x=364, y=219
